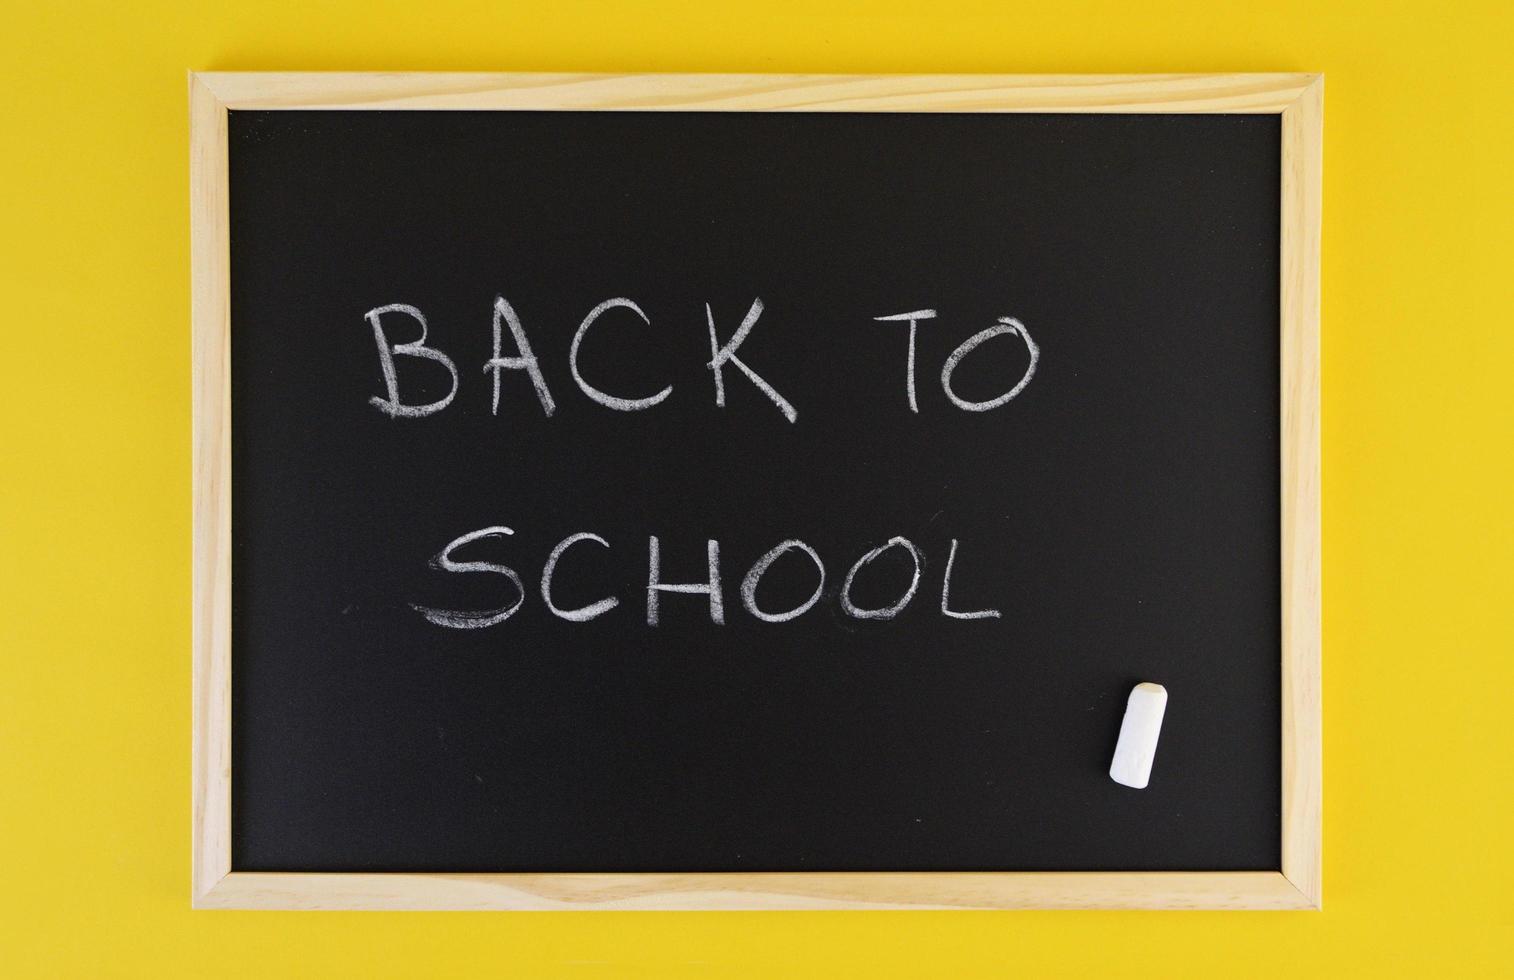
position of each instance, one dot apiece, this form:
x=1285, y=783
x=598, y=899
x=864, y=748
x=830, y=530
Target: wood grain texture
x=1297, y=97
x=1303, y=143
x=211, y=355
x=855, y=890
x=739, y=93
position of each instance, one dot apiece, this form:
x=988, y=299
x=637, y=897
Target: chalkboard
x=1033, y=358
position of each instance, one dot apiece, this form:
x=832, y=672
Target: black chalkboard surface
x=403, y=696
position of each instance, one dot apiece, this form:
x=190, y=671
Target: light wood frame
x=1296, y=97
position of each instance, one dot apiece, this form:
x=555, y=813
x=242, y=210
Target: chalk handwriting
x=909, y=362
x=473, y=620
x=946, y=585
x=722, y=355
x=584, y=613
x=711, y=588
x=527, y=362
x=392, y=406
x=749, y=584
x=610, y=401
x=388, y=323
x=1005, y=325
x=887, y=612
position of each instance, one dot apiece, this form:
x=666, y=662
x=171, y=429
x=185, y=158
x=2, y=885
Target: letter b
x=392, y=406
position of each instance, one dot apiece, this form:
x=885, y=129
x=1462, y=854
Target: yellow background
x=94, y=484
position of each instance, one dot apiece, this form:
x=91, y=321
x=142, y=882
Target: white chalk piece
x=1138, y=736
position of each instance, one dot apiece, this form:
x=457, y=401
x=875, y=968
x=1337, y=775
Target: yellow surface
x=1419, y=458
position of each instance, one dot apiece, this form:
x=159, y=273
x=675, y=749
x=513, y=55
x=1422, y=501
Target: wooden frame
x=1296, y=97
